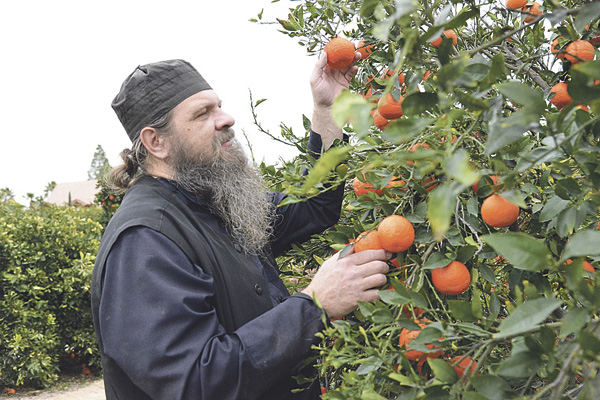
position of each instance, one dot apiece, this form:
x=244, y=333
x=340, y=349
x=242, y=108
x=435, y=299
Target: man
x=186, y=297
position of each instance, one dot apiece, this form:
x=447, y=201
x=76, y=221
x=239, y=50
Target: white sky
x=64, y=61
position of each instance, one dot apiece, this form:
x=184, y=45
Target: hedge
x=47, y=255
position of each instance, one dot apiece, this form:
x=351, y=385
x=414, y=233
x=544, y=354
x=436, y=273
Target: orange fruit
x=587, y=266
x=578, y=51
x=415, y=147
x=390, y=108
x=396, y=233
x=340, y=53
x=533, y=10
x=561, y=96
x=556, y=49
x=362, y=188
x=395, y=182
x=448, y=33
x=453, y=279
x=462, y=365
x=380, y=121
x=498, y=212
x=426, y=75
x=388, y=74
x=364, y=49
x=430, y=183
x=408, y=335
x=495, y=180
x=515, y=4
x=368, y=240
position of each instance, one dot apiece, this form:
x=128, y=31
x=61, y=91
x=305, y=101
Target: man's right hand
x=339, y=284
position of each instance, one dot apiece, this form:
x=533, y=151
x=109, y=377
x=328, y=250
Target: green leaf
x=520, y=93
x=353, y=109
x=589, y=344
x=324, y=165
x=504, y=131
x=417, y=103
x=573, y=321
x=552, y=208
x=441, y=203
x=589, y=68
x=566, y=221
x=519, y=249
x=527, y=316
x=519, y=365
x=492, y=387
x=442, y=370
x=461, y=310
x=582, y=243
x=459, y=167
x=472, y=103
x=436, y=260
x=404, y=129
x=587, y=14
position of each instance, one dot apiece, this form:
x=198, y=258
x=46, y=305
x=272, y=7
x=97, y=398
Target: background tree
x=497, y=169
x=6, y=195
x=100, y=165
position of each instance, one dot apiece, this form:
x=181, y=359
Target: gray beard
x=232, y=187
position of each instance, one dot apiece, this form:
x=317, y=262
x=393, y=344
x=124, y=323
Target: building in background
x=74, y=193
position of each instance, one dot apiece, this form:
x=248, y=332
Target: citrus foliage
x=477, y=111
x=47, y=255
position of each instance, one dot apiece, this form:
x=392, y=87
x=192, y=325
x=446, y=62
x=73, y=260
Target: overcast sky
x=64, y=61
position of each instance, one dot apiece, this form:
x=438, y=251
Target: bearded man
x=186, y=296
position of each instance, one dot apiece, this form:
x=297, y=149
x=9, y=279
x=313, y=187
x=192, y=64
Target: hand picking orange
x=340, y=53
x=368, y=240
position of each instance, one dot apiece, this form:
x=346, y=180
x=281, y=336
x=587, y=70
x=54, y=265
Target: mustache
x=226, y=135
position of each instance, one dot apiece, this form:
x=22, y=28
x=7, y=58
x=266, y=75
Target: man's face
x=202, y=126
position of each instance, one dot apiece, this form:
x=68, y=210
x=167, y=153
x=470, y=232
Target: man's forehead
x=201, y=99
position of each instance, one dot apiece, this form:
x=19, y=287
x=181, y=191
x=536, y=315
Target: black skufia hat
x=152, y=90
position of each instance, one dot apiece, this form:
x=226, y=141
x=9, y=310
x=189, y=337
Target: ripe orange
x=498, y=212
x=340, y=53
x=395, y=182
x=430, y=183
x=533, y=10
x=587, y=266
x=389, y=108
x=380, y=121
x=362, y=188
x=578, y=51
x=407, y=335
x=396, y=233
x=368, y=240
x=364, y=49
x=515, y=4
x=495, y=180
x=448, y=33
x=463, y=365
x=561, y=96
x=452, y=279
x=556, y=49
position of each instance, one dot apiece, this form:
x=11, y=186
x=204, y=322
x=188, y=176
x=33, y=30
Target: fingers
x=366, y=256
x=319, y=65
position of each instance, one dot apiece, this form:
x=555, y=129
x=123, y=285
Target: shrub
x=47, y=255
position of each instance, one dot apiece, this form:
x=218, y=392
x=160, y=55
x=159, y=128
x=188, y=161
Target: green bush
x=47, y=255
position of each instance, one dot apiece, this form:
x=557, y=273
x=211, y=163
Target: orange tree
x=478, y=121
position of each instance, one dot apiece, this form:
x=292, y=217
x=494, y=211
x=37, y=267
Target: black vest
x=148, y=203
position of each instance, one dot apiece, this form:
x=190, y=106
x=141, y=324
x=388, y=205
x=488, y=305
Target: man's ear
x=154, y=142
